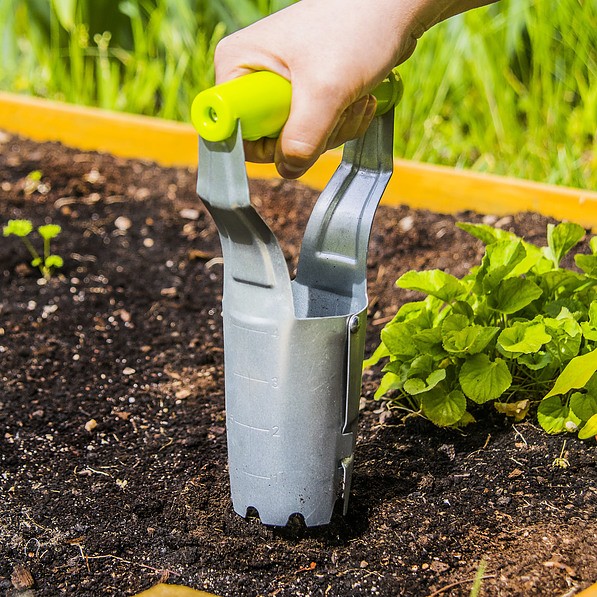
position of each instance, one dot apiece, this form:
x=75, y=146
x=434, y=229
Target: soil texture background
x=113, y=471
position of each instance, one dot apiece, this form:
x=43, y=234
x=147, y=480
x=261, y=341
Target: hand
x=334, y=52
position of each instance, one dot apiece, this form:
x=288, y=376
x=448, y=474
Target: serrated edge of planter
x=424, y=186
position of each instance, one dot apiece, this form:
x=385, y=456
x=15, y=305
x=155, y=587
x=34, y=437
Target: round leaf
x=552, y=414
x=49, y=231
x=482, y=379
x=513, y=294
x=54, y=261
x=584, y=406
x=415, y=385
x=18, y=228
x=434, y=282
x=443, y=409
x=524, y=338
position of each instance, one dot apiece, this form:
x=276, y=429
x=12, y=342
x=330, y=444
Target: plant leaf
x=589, y=429
x=535, y=361
x=430, y=342
x=485, y=233
x=560, y=239
x=388, y=382
x=54, y=261
x=482, y=379
x=49, y=231
x=398, y=337
x=469, y=340
x=534, y=255
x=465, y=420
x=499, y=260
x=65, y=11
x=576, y=374
x=379, y=353
x=552, y=414
x=587, y=263
x=513, y=294
x=584, y=406
x=416, y=385
x=443, y=409
x=589, y=328
x=526, y=338
x=562, y=281
x=434, y=282
x=19, y=228
x=515, y=410
x=34, y=175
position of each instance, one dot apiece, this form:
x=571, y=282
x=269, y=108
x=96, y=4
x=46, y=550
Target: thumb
x=313, y=117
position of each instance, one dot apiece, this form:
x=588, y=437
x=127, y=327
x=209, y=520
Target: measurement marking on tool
x=252, y=427
x=247, y=329
x=256, y=476
x=249, y=378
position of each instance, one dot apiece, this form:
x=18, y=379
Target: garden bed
x=112, y=440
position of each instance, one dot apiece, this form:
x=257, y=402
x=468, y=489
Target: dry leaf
x=21, y=578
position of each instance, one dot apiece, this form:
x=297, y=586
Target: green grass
x=510, y=89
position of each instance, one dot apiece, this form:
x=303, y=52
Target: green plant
x=142, y=56
x=518, y=330
x=479, y=576
x=47, y=262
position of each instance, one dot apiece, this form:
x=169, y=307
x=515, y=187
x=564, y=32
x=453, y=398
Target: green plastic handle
x=261, y=101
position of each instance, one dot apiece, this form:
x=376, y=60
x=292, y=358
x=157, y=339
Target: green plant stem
x=476, y=588
x=35, y=255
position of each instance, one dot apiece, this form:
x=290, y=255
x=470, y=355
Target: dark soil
x=112, y=442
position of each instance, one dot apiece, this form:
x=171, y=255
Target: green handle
x=261, y=101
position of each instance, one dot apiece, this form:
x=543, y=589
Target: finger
x=313, y=117
x=261, y=151
x=354, y=123
x=228, y=61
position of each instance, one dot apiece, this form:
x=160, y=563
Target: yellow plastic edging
x=125, y=135
x=437, y=188
x=589, y=592
x=164, y=590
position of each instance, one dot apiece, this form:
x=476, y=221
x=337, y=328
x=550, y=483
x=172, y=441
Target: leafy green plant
x=519, y=329
x=46, y=262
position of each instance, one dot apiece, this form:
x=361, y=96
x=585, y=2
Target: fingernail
x=290, y=171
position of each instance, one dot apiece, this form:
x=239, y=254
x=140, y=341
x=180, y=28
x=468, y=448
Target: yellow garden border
x=438, y=188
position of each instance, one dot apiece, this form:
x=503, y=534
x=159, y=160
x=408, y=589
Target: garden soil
x=113, y=473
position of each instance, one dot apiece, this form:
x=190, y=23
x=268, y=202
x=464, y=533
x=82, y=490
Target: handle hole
x=212, y=114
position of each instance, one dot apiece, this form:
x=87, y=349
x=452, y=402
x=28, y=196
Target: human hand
x=334, y=52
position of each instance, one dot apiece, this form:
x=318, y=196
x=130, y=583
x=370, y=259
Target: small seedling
x=47, y=262
x=561, y=461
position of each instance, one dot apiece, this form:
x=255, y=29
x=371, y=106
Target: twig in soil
x=83, y=556
x=524, y=441
x=480, y=449
x=109, y=555
x=382, y=320
x=459, y=582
